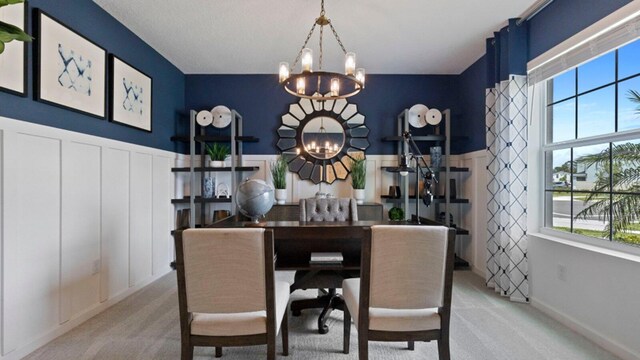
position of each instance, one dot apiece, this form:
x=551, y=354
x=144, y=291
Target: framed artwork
x=130, y=92
x=71, y=71
x=13, y=61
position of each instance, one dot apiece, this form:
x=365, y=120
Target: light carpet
x=483, y=326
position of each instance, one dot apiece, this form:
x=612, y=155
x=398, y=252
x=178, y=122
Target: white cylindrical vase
x=281, y=196
x=358, y=194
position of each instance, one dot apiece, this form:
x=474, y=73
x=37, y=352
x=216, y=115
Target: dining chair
x=404, y=292
x=327, y=281
x=227, y=294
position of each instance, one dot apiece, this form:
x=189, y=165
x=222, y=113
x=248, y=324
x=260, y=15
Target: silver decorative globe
x=254, y=198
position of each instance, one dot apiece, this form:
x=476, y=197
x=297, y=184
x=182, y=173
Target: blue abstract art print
x=130, y=91
x=74, y=71
x=70, y=69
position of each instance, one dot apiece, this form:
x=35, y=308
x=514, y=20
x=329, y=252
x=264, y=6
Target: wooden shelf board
x=200, y=200
x=205, y=138
x=416, y=138
x=441, y=169
x=439, y=199
x=208, y=168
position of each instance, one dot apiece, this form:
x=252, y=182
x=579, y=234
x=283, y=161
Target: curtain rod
x=533, y=10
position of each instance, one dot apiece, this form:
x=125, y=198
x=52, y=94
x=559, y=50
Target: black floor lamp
x=423, y=171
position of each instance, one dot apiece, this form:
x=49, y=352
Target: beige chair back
x=333, y=209
x=224, y=270
x=408, y=266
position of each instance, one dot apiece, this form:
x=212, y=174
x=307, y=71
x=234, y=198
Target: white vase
x=216, y=163
x=358, y=194
x=281, y=196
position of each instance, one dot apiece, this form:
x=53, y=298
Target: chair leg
x=218, y=351
x=187, y=351
x=363, y=346
x=411, y=345
x=271, y=351
x=347, y=331
x=285, y=333
x=443, y=348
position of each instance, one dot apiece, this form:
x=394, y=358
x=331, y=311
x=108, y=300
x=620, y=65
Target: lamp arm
x=418, y=155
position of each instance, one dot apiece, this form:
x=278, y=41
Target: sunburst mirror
x=318, y=138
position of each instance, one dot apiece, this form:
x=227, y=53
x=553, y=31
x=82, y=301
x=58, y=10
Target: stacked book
x=326, y=258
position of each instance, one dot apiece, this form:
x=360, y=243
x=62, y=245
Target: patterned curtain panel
x=506, y=117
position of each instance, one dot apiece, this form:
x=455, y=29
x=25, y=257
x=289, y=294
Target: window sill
x=620, y=251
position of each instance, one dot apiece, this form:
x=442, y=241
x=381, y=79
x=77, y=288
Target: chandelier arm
x=303, y=46
x=321, y=34
x=335, y=33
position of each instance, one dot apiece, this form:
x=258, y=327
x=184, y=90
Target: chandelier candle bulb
x=360, y=76
x=307, y=59
x=284, y=71
x=350, y=63
x=335, y=87
x=300, y=85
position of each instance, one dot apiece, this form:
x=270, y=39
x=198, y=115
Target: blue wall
x=87, y=18
x=261, y=101
x=471, y=92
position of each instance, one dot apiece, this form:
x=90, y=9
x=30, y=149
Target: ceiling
x=253, y=36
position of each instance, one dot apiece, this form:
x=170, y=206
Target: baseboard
x=602, y=340
x=480, y=272
x=78, y=320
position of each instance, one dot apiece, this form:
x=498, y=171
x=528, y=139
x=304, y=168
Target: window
x=592, y=148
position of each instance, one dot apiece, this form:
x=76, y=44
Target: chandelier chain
x=321, y=33
x=304, y=45
x=335, y=33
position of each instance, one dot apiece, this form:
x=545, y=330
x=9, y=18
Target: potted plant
x=396, y=214
x=279, y=175
x=358, y=177
x=10, y=32
x=217, y=153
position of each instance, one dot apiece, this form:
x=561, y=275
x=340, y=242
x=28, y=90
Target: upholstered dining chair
x=404, y=292
x=227, y=294
x=324, y=209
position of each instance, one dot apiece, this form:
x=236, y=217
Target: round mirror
x=323, y=137
x=318, y=138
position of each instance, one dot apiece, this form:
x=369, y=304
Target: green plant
x=396, y=214
x=216, y=152
x=625, y=174
x=279, y=173
x=358, y=171
x=10, y=32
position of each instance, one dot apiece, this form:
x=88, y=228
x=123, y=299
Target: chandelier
x=321, y=85
x=324, y=148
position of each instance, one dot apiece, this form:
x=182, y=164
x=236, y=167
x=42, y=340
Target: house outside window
x=592, y=148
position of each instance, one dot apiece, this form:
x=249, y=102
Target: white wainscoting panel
x=31, y=238
x=80, y=235
x=140, y=225
x=115, y=223
x=162, y=220
x=81, y=219
x=473, y=186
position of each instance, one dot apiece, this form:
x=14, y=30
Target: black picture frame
x=38, y=15
x=25, y=52
x=111, y=91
